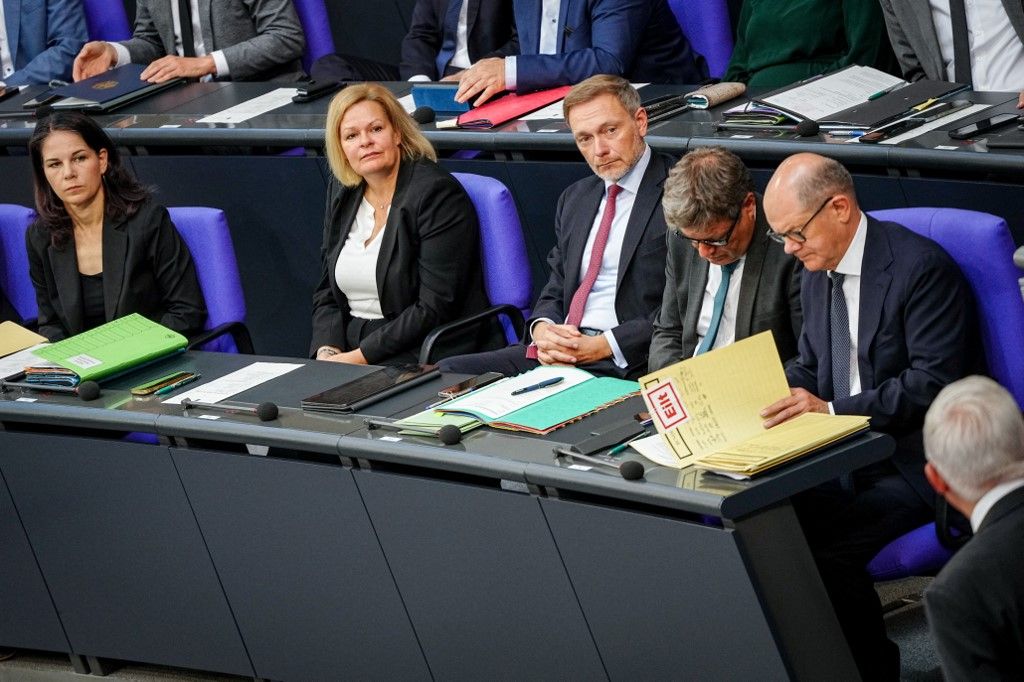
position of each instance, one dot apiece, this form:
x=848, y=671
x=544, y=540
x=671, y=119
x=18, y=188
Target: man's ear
x=935, y=479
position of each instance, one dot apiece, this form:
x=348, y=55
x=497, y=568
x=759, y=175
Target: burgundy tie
x=579, y=299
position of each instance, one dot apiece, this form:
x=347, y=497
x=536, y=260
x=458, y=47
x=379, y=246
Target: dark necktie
x=450, y=32
x=961, y=44
x=839, y=328
x=716, y=312
x=188, y=43
x=579, y=299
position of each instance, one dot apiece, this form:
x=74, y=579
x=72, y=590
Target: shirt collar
x=853, y=259
x=984, y=505
x=631, y=180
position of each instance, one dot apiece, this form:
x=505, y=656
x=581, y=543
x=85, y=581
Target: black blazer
x=641, y=277
x=7, y=311
x=428, y=270
x=490, y=32
x=147, y=269
x=976, y=604
x=769, y=297
x=917, y=333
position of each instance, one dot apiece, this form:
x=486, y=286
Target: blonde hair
x=413, y=144
x=602, y=84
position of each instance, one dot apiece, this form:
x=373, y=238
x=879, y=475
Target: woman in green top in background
x=779, y=42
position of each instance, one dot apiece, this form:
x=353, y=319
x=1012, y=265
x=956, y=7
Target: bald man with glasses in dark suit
x=725, y=279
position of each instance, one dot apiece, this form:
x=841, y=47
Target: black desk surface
x=484, y=451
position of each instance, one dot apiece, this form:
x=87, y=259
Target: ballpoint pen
x=544, y=384
x=625, y=444
x=885, y=91
x=178, y=384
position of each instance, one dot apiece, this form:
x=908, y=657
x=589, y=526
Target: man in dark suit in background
x=888, y=322
x=608, y=263
x=637, y=39
x=223, y=39
x=974, y=441
x=445, y=37
x=725, y=279
x=42, y=39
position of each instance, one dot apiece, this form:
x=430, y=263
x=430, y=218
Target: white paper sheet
x=945, y=120
x=253, y=107
x=236, y=382
x=15, y=363
x=819, y=98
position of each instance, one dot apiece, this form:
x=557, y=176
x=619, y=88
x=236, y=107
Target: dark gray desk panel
x=27, y=617
x=301, y=567
x=121, y=552
x=481, y=579
x=664, y=599
x=67, y=411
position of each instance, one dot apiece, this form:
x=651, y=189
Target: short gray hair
x=831, y=179
x=707, y=185
x=974, y=436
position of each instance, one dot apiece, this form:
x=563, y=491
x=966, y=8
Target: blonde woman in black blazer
x=390, y=196
x=101, y=249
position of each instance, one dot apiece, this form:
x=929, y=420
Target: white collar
x=853, y=260
x=632, y=179
x=984, y=505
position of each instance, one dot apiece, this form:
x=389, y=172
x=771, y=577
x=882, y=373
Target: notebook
x=110, y=90
x=114, y=347
x=505, y=108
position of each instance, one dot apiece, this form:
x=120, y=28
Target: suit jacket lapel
x=345, y=213
x=206, y=24
x=563, y=14
x=920, y=11
x=647, y=199
x=527, y=14
x=696, y=282
x=874, y=285
x=577, y=240
x=64, y=263
x=472, y=10
x=115, y=252
x=752, y=267
x=1015, y=11
x=12, y=18
x=389, y=238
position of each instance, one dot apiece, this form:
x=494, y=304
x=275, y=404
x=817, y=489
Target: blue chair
x=206, y=233
x=14, y=279
x=981, y=245
x=506, y=267
x=706, y=25
x=319, y=41
x=106, y=20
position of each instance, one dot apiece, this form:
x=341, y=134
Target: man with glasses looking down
x=888, y=322
x=725, y=279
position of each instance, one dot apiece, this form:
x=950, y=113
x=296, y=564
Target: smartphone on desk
x=176, y=379
x=983, y=126
x=471, y=384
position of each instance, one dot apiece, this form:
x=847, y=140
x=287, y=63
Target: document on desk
x=236, y=382
x=14, y=337
x=820, y=98
x=710, y=405
x=252, y=108
x=937, y=123
x=15, y=363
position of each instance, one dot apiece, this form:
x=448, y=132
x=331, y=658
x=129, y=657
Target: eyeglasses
x=721, y=241
x=797, y=235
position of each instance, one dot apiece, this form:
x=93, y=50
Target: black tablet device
x=370, y=388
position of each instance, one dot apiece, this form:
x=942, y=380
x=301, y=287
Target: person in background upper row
x=255, y=40
x=444, y=38
x=39, y=40
x=101, y=248
x=979, y=43
x=608, y=263
x=400, y=254
x=974, y=442
x=565, y=42
x=779, y=42
x=725, y=279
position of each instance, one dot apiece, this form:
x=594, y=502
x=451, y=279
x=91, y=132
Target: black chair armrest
x=514, y=314
x=239, y=333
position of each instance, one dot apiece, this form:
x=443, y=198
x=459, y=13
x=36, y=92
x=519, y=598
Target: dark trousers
x=845, y=530
x=344, y=67
x=512, y=360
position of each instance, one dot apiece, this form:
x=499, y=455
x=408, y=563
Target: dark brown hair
x=123, y=194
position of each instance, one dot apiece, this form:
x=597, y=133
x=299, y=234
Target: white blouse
x=356, y=269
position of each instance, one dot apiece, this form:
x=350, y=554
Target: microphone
x=266, y=411
x=631, y=470
x=424, y=115
x=807, y=128
x=87, y=390
x=449, y=434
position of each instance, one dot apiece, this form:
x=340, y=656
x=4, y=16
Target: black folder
x=110, y=90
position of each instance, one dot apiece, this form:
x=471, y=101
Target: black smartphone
x=43, y=98
x=982, y=126
x=307, y=92
x=7, y=93
x=463, y=387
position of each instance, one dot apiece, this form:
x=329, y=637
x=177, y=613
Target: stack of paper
x=433, y=420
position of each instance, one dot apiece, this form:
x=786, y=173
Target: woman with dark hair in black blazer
x=401, y=251
x=101, y=249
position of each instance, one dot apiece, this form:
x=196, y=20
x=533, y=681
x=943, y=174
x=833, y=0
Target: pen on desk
x=544, y=384
x=847, y=133
x=178, y=384
x=885, y=91
x=625, y=444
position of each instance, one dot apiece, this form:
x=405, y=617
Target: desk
x=404, y=559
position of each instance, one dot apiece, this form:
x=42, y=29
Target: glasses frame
x=721, y=241
x=798, y=235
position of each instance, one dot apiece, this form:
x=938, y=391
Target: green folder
x=114, y=347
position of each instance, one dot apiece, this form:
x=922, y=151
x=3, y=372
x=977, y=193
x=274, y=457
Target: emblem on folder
x=666, y=405
x=104, y=85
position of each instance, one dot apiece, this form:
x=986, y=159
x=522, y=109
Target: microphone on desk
x=807, y=128
x=631, y=470
x=87, y=390
x=265, y=411
x=449, y=434
x=424, y=115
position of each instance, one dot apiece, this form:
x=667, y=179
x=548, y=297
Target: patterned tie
x=839, y=327
x=579, y=299
x=450, y=31
x=716, y=312
x=961, y=43
x=188, y=42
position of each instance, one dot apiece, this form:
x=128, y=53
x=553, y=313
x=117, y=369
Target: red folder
x=511, y=106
